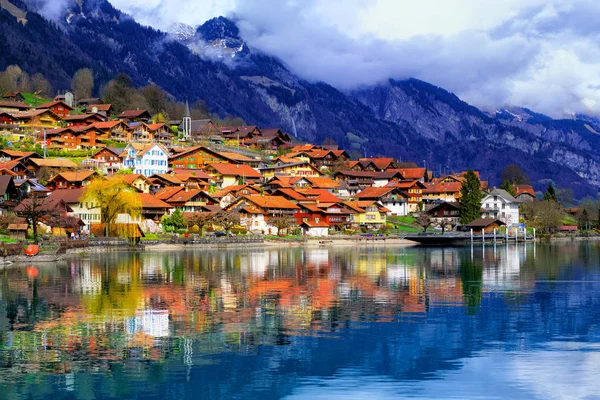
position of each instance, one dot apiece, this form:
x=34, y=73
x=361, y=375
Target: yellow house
x=37, y=119
x=302, y=168
x=368, y=213
x=442, y=191
x=138, y=181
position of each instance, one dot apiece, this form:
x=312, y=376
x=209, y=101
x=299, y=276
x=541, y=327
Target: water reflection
x=299, y=322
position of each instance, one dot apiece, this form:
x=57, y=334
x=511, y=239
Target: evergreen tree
x=550, y=194
x=470, y=198
x=506, y=185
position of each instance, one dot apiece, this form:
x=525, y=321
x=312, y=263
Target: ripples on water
x=517, y=321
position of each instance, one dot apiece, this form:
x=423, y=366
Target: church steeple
x=187, y=122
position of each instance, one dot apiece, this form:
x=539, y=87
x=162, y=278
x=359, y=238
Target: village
x=194, y=176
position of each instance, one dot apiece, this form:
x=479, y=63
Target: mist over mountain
x=408, y=119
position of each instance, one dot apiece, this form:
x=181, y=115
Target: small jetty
x=462, y=240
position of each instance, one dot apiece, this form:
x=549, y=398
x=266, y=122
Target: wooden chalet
x=135, y=115
x=72, y=180
x=59, y=108
x=82, y=119
x=11, y=107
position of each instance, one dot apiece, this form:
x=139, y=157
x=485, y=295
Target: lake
x=516, y=321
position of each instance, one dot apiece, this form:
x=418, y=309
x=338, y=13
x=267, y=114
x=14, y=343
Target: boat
x=32, y=250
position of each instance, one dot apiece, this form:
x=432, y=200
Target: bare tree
x=36, y=209
x=82, y=83
x=200, y=219
x=514, y=175
x=424, y=220
x=282, y=222
x=41, y=85
x=227, y=219
x=447, y=223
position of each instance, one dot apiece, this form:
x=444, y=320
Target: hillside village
x=196, y=168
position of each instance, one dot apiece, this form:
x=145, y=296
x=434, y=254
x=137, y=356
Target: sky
x=541, y=54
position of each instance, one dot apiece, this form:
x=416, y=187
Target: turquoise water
x=396, y=322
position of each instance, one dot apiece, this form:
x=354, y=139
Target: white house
x=502, y=205
x=391, y=198
x=146, y=159
x=315, y=229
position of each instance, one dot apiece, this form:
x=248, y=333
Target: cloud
x=540, y=54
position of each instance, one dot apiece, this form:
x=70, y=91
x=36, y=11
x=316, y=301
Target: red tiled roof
x=271, y=201
x=149, y=201
x=412, y=173
x=374, y=192
x=69, y=196
x=74, y=176
x=236, y=170
x=442, y=187
x=291, y=193
x=107, y=124
x=167, y=192
x=321, y=194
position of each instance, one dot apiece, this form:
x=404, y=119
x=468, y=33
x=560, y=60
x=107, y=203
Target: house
x=102, y=109
x=10, y=155
x=236, y=158
x=86, y=211
x=7, y=121
x=59, y=108
x=84, y=102
x=501, y=205
x=382, y=178
x=153, y=210
x=82, y=119
x=13, y=96
x=392, y=198
x=115, y=130
x=135, y=115
x=192, y=179
x=303, y=168
x=232, y=174
x=230, y=194
x=256, y=210
x=9, y=194
x=107, y=159
x=315, y=229
x=11, y=107
x=448, y=191
x=185, y=199
x=56, y=214
x=199, y=128
x=196, y=157
x=368, y=213
x=146, y=159
x=57, y=164
x=72, y=138
x=137, y=181
x=414, y=191
x=72, y=179
x=37, y=119
x=18, y=231
x=487, y=225
x=355, y=181
x=409, y=174
x=525, y=193
x=16, y=168
x=161, y=133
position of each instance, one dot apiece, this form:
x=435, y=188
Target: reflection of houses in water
x=256, y=263
x=88, y=280
x=502, y=267
x=370, y=263
x=152, y=269
x=318, y=257
x=154, y=323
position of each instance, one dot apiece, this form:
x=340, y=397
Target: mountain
x=411, y=120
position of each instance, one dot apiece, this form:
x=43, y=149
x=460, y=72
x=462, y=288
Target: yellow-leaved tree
x=113, y=196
